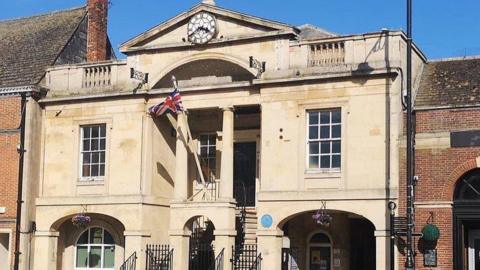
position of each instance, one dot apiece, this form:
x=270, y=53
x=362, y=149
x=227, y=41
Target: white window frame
x=319, y=140
x=89, y=246
x=208, y=146
x=81, y=153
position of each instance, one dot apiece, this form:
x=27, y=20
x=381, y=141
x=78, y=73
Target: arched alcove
x=205, y=72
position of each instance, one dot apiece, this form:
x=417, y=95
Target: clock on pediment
x=202, y=27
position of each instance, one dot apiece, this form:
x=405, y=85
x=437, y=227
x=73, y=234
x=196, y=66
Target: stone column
x=181, y=160
x=382, y=256
x=179, y=241
x=45, y=254
x=225, y=240
x=270, y=244
x=226, y=169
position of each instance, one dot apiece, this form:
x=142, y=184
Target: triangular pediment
x=231, y=26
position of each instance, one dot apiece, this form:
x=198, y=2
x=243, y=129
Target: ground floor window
x=95, y=249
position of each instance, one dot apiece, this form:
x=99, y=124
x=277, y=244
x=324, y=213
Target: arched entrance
x=201, y=244
x=320, y=251
x=348, y=242
x=466, y=216
x=99, y=245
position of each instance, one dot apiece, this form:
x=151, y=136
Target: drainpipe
x=21, y=152
x=410, y=260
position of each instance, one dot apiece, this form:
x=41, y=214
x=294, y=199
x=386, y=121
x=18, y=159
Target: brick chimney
x=97, y=44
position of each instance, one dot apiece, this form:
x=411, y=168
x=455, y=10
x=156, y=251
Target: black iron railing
x=130, y=263
x=159, y=257
x=257, y=265
x=218, y=263
x=244, y=257
x=202, y=256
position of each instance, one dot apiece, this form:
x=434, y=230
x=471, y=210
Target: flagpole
x=190, y=139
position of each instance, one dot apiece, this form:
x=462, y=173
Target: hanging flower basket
x=430, y=233
x=81, y=220
x=322, y=218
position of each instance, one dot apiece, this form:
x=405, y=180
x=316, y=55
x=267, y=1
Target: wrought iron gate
x=245, y=257
x=201, y=257
x=159, y=257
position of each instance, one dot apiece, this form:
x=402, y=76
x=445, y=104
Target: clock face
x=202, y=28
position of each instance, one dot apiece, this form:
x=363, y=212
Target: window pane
x=313, y=162
x=95, y=258
x=336, y=116
x=94, y=145
x=95, y=236
x=102, y=170
x=211, y=152
x=313, y=118
x=86, y=145
x=336, y=147
x=325, y=148
x=85, y=170
x=324, y=132
x=203, y=151
x=336, y=161
x=102, y=144
x=95, y=157
x=95, y=132
x=102, y=157
x=313, y=132
x=86, y=158
x=336, y=131
x=95, y=169
x=83, y=238
x=82, y=257
x=109, y=257
x=86, y=132
x=313, y=147
x=325, y=117
x=103, y=131
x=108, y=239
x=325, y=162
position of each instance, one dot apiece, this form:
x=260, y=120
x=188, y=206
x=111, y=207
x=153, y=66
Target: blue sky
x=442, y=28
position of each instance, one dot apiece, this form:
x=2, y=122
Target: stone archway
x=68, y=253
x=351, y=242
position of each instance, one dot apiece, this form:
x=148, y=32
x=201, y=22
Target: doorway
x=474, y=249
x=244, y=176
x=320, y=252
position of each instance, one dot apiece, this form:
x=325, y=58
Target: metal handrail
x=257, y=265
x=218, y=263
x=130, y=263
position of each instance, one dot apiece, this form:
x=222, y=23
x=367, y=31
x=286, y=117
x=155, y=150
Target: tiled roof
x=450, y=83
x=29, y=45
x=308, y=32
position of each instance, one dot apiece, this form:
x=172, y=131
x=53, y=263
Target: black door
x=245, y=159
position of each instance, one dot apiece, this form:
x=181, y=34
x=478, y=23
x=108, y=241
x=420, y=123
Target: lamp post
x=410, y=260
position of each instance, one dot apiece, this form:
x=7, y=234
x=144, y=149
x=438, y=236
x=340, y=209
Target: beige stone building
x=288, y=122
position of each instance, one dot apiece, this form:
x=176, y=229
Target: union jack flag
x=172, y=104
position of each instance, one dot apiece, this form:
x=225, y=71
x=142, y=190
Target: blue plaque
x=266, y=221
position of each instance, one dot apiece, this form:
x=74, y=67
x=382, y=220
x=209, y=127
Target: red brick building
x=27, y=47
x=447, y=157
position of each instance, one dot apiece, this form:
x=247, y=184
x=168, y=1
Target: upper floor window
x=324, y=131
x=207, y=151
x=92, y=154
